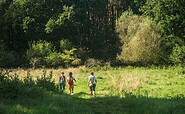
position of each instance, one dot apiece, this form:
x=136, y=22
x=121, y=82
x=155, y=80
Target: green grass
x=126, y=90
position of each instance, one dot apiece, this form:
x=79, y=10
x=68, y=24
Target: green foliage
x=9, y=59
x=178, y=55
x=89, y=25
x=66, y=15
x=69, y=55
x=140, y=39
x=65, y=44
x=12, y=87
x=39, y=49
x=44, y=53
x=65, y=58
x=30, y=89
x=69, y=52
x=168, y=44
x=169, y=14
x=46, y=82
x=26, y=23
x=54, y=59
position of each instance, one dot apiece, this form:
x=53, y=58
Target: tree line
x=69, y=32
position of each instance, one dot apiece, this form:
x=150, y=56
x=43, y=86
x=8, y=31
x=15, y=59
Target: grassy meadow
x=120, y=90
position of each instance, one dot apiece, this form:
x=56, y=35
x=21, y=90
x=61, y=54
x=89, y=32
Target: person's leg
x=60, y=87
x=72, y=88
x=91, y=90
x=69, y=89
x=94, y=87
x=72, y=91
x=64, y=87
x=94, y=93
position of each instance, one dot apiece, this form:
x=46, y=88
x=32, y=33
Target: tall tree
x=170, y=17
x=4, y=5
x=170, y=14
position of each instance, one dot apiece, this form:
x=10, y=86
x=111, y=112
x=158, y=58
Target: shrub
x=35, y=62
x=54, y=59
x=69, y=53
x=44, y=53
x=47, y=83
x=66, y=45
x=76, y=62
x=12, y=87
x=140, y=39
x=91, y=62
x=178, y=55
x=37, y=51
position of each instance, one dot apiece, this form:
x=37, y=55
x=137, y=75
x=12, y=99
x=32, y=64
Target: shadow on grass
x=81, y=94
x=66, y=104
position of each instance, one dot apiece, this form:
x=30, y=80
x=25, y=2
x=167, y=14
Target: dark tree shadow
x=67, y=104
x=135, y=105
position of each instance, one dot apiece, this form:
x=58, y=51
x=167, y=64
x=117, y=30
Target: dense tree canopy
x=89, y=25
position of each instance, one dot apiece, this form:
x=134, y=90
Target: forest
x=55, y=33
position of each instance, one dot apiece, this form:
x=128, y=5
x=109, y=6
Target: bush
x=140, y=39
x=37, y=51
x=30, y=89
x=54, y=59
x=12, y=87
x=44, y=53
x=76, y=62
x=178, y=55
x=69, y=53
x=65, y=45
x=91, y=62
x=47, y=83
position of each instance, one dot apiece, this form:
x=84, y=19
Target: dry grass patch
x=34, y=73
x=126, y=83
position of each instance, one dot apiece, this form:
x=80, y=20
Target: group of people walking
x=92, y=81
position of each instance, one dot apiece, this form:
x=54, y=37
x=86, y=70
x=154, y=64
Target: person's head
x=92, y=73
x=62, y=72
x=70, y=73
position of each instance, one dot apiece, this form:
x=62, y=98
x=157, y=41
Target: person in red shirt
x=70, y=81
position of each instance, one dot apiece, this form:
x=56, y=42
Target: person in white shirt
x=92, y=83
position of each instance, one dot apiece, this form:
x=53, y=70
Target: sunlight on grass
x=118, y=91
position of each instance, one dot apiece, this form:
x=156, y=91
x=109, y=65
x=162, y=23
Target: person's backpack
x=62, y=79
x=70, y=81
